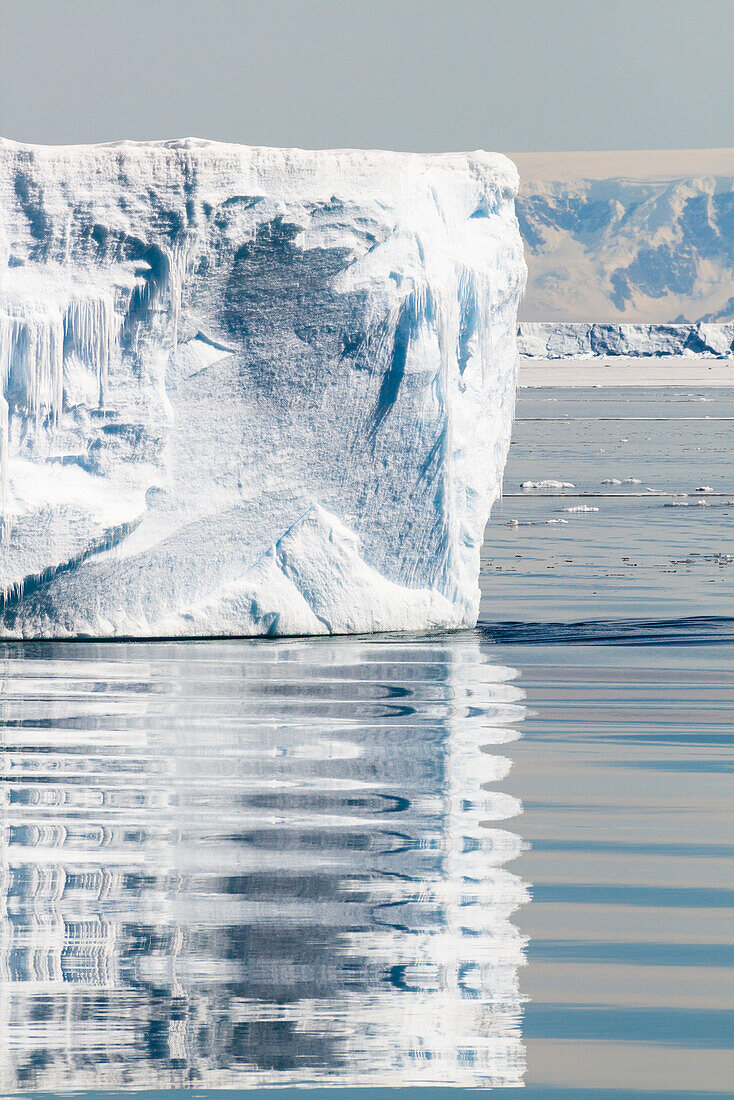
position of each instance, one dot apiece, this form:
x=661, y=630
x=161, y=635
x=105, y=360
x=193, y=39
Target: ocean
x=491, y=859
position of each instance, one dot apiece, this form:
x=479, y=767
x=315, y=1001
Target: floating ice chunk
x=704, y=489
x=574, y=340
x=581, y=508
x=548, y=483
x=611, y=481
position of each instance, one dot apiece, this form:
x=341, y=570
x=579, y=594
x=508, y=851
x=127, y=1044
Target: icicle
x=180, y=259
x=175, y=285
x=6, y=350
x=91, y=332
x=32, y=356
x=4, y=447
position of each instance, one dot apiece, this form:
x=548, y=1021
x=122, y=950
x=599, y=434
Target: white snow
x=249, y=390
x=621, y=371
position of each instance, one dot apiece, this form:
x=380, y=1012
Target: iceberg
x=251, y=391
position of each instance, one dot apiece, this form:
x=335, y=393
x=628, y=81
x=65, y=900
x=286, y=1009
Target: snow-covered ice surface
x=251, y=391
x=651, y=372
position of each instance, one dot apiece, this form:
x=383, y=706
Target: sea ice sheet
x=250, y=391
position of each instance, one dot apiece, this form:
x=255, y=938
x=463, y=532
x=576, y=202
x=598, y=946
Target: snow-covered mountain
x=628, y=236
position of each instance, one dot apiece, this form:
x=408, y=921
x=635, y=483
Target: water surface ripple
x=231, y=864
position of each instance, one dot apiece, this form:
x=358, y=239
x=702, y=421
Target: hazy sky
x=513, y=75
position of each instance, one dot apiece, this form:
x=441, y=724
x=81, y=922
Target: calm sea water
x=482, y=860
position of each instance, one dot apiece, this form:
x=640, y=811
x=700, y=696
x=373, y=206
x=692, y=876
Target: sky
x=424, y=75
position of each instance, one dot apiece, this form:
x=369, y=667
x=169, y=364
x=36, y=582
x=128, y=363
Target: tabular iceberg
x=250, y=391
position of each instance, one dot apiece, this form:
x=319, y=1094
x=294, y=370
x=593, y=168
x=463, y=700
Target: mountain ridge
x=628, y=237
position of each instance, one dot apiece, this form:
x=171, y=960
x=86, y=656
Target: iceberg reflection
x=237, y=864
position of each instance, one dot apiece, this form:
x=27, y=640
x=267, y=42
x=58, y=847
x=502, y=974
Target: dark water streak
x=693, y=630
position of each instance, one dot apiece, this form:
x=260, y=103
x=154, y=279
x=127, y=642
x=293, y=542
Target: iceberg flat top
x=311, y=170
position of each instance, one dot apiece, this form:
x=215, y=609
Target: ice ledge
x=313, y=580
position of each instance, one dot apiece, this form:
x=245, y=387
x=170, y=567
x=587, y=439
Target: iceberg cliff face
x=250, y=391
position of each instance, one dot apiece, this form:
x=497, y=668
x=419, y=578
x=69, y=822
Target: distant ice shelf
x=250, y=391
x=584, y=340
